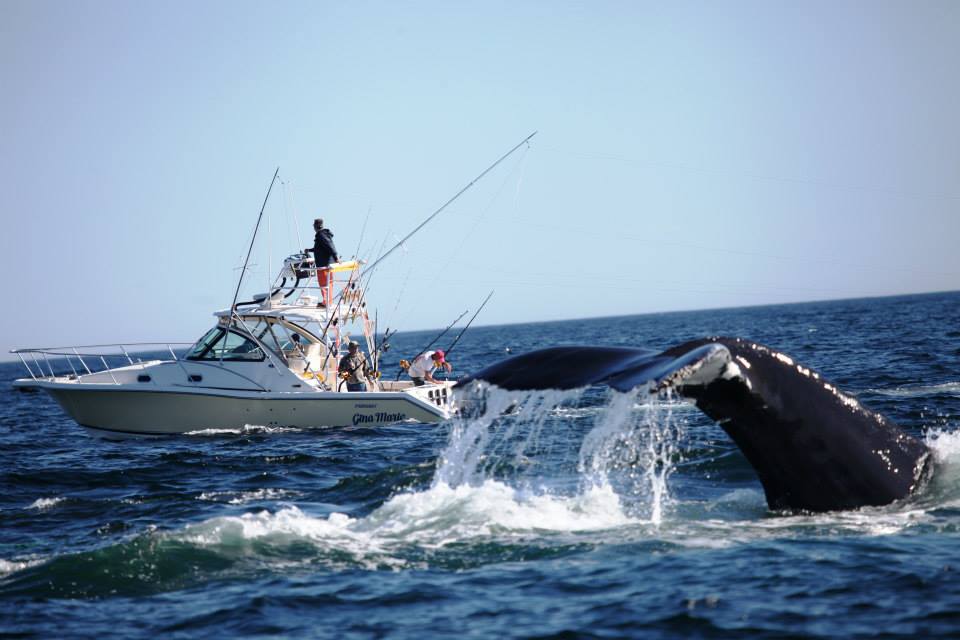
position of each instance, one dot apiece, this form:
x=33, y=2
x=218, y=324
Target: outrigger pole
x=446, y=204
x=233, y=305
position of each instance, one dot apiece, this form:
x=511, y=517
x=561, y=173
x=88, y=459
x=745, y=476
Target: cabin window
x=204, y=344
x=265, y=331
x=288, y=342
x=227, y=345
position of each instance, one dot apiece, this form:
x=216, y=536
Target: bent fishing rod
x=446, y=204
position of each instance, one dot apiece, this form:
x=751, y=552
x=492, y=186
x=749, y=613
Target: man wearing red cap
x=423, y=366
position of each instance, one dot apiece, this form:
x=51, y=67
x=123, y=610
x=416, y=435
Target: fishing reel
x=404, y=364
x=307, y=375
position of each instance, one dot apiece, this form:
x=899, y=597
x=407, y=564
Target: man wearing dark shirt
x=324, y=253
x=354, y=369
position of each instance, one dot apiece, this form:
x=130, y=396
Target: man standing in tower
x=324, y=253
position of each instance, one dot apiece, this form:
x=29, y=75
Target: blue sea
x=584, y=514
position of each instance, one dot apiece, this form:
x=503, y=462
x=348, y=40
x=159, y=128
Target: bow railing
x=89, y=359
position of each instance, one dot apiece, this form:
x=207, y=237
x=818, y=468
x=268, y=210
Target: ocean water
x=579, y=514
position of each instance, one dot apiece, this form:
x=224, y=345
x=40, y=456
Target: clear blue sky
x=690, y=155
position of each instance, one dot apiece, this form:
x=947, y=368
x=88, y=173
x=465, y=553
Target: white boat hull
x=123, y=410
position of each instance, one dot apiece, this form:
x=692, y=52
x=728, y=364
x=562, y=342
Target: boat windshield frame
x=247, y=330
x=202, y=348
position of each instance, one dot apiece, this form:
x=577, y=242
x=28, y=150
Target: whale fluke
x=813, y=447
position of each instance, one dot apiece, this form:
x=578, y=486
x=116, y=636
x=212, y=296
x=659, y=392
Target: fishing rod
x=363, y=231
x=234, y=316
x=367, y=273
x=233, y=305
x=376, y=327
x=335, y=317
x=374, y=357
x=432, y=342
x=383, y=346
x=380, y=345
x=447, y=204
x=440, y=335
x=366, y=286
x=464, y=330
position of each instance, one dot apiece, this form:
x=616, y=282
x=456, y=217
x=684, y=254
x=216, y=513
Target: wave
x=247, y=429
x=442, y=527
x=517, y=479
x=42, y=504
x=12, y=566
x=920, y=390
x=243, y=497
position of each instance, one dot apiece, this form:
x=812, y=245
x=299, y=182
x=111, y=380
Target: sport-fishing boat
x=270, y=361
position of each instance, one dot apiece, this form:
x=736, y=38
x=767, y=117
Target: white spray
x=628, y=445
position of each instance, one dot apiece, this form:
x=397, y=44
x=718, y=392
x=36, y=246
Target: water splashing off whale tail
x=813, y=447
x=635, y=446
x=566, y=445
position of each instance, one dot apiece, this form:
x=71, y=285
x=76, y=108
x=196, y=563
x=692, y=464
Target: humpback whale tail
x=813, y=447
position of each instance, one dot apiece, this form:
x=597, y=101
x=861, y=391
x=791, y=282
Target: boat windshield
x=218, y=344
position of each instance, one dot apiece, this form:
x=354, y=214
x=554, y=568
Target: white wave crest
x=920, y=390
x=447, y=513
x=430, y=519
x=944, y=444
x=12, y=566
x=247, y=429
x=42, y=504
x=243, y=497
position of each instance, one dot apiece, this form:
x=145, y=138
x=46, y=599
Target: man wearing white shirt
x=422, y=368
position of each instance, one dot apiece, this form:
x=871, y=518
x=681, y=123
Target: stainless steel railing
x=90, y=358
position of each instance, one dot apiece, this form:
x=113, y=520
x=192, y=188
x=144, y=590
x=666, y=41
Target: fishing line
x=443, y=268
x=484, y=211
x=403, y=288
x=467, y=326
x=363, y=230
x=751, y=176
x=296, y=220
x=803, y=260
x=523, y=171
x=525, y=141
x=286, y=214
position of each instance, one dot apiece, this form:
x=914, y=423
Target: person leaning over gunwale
x=423, y=366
